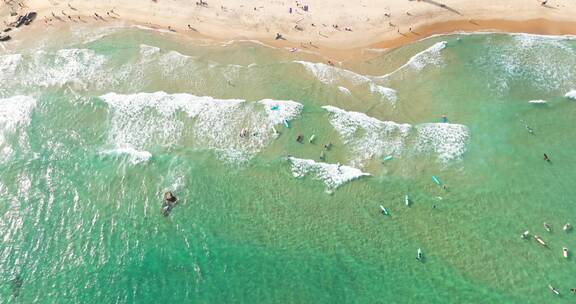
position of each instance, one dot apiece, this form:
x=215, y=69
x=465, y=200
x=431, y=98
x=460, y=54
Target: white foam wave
x=8, y=65
x=15, y=114
x=571, y=94
x=386, y=93
x=344, y=90
x=134, y=156
x=368, y=137
x=328, y=74
x=76, y=67
x=146, y=119
x=447, y=141
x=147, y=28
x=431, y=55
x=512, y=63
x=278, y=111
x=148, y=50
x=332, y=175
x=538, y=101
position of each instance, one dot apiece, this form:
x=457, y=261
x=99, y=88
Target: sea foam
x=15, y=114
x=134, y=156
x=332, y=175
x=431, y=55
x=571, y=94
x=328, y=74
x=368, y=137
x=537, y=101
x=145, y=119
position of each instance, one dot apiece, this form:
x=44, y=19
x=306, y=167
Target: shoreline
x=336, y=45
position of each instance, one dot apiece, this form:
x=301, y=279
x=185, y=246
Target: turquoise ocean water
x=95, y=125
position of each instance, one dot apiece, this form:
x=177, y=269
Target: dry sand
x=370, y=23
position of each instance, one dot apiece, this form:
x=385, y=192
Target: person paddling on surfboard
x=546, y=158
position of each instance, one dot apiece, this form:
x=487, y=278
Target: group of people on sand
x=111, y=13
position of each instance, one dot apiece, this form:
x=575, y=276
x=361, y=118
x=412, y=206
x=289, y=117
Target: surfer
x=547, y=227
x=546, y=158
x=169, y=203
x=244, y=132
x=300, y=138
x=554, y=290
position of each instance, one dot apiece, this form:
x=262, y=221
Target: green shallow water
x=81, y=225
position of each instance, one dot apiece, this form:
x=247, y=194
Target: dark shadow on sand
x=444, y=6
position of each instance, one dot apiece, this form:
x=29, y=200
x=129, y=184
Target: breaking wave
x=233, y=127
x=328, y=74
x=15, y=114
x=134, y=156
x=332, y=175
x=79, y=67
x=368, y=137
x=431, y=55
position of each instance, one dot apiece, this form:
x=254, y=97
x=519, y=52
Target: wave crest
x=332, y=175
x=144, y=119
x=368, y=137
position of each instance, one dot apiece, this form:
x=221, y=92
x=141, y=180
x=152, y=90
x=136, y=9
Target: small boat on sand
x=384, y=210
x=554, y=290
x=28, y=18
x=565, y=252
x=539, y=240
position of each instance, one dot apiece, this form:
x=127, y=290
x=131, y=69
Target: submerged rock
x=16, y=285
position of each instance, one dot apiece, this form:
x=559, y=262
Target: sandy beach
x=326, y=26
